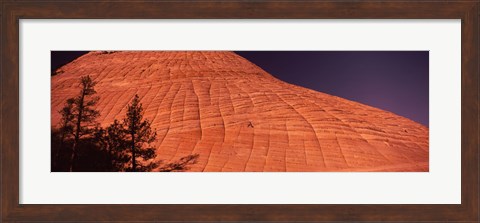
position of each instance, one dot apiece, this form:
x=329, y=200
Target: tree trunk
x=133, y=152
x=77, y=131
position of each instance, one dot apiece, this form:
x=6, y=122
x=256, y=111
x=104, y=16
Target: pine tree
x=112, y=140
x=133, y=138
x=139, y=137
x=83, y=113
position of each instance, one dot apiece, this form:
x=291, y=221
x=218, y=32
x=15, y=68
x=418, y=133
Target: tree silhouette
x=113, y=141
x=82, y=113
x=139, y=133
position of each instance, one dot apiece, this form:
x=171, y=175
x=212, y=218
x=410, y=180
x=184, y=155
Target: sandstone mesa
x=238, y=117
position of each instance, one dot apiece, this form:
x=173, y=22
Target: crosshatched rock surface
x=238, y=117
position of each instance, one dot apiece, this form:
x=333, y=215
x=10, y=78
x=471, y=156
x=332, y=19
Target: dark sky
x=60, y=58
x=396, y=81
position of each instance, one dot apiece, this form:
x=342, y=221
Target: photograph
x=239, y=111
x=244, y=111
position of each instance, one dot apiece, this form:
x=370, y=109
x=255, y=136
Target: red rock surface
x=204, y=102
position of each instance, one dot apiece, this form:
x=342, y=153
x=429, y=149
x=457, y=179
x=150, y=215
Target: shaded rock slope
x=238, y=117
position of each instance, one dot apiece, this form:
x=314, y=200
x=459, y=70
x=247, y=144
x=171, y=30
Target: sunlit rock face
x=238, y=117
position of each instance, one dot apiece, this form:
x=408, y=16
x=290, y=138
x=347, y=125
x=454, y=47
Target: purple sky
x=396, y=81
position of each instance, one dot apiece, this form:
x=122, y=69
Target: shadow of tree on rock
x=181, y=165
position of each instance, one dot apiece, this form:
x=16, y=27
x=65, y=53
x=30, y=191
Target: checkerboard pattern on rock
x=238, y=117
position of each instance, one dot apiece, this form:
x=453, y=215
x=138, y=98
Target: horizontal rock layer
x=237, y=117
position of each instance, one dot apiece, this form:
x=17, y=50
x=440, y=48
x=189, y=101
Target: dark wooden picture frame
x=12, y=11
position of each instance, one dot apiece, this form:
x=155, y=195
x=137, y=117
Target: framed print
x=239, y=111
x=239, y=122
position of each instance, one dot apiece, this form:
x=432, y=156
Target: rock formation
x=238, y=117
